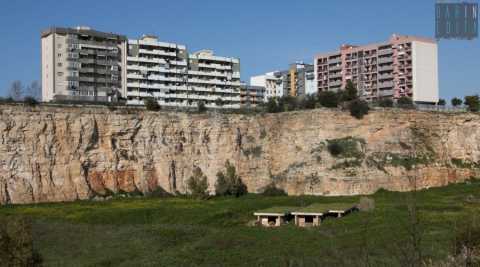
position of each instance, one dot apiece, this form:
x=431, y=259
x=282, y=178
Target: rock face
x=62, y=154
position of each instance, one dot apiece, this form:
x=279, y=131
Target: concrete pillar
x=339, y=215
x=296, y=220
x=316, y=221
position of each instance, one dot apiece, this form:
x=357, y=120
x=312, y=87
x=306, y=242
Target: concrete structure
x=271, y=81
x=251, y=96
x=402, y=66
x=273, y=217
x=212, y=77
x=156, y=69
x=314, y=214
x=298, y=80
x=82, y=64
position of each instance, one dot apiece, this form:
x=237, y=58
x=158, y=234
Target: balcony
x=385, y=52
x=385, y=84
x=385, y=68
x=382, y=60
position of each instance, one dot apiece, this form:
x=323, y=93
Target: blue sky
x=266, y=35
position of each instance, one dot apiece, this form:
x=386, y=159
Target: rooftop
x=321, y=208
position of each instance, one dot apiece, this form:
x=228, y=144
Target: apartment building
x=82, y=64
x=88, y=65
x=212, y=77
x=298, y=80
x=271, y=81
x=251, y=96
x=156, y=69
x=402, y=66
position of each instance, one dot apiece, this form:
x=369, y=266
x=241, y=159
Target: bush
x=442, y=102
x=30, y=101
x=272, y=106
x=366, y=204
x=385, y=103
x=6, y=100
x=335, y=149
x=151, y=104
x=219, y=102
x=328, y=99
x=287, y=103
x=16, y=243
x=473, y=103
x=229, y=183
x=456, y=102
x=358, y=108
x=198, y=184
x=272, y=191
x=307, y=102
x=405, y=102
x=201, y=107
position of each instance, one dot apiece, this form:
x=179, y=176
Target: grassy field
x=186, y=232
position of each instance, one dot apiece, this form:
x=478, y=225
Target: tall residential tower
x=82, y=64
x=402, y=66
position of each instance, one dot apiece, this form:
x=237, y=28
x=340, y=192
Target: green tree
x=272, y=106
x=385, y=103
x=30, y=101
x=198, y=184
x=456, y=102
x=358, y=108
x=442, y=102
x=473, y=103
x=151, y=104
x=201, y=107
x=405, y=102
x=229, y=183
x=350, y=93
x=219, y=102
x=328, y=99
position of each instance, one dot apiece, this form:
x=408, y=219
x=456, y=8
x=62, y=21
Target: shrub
x=198, y=184
x=467, y=243
x=386, y=103
x=473, y=103
x=358, y=108
x=442, y=102
x=272, y=191
x=335, y=149
x=307, y=102
x=229, y=183
x=30, y=101
x=151, y=104
x=16, y=243
x=219, y=102
x=456, y=102
x=405, y=102
x=366, y=204
x=6, y=100
x=287, y=103
x=201, y=107
x=328, y=99
x=272, y=106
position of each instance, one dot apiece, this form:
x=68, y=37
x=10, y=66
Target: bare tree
x=16, y=90
x=34, y=90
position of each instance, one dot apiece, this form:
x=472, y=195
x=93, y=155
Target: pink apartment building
x=402, y=66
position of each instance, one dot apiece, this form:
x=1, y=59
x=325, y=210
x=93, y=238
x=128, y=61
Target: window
x=59, y=55
x=75, y=73
x=59, y=74
x=59, y=64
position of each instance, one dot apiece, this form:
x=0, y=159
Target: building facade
x=251, y=96
x=82, y=64
x=156, y=69
x=87, y=65
x=402, y=66
x=212, y=77
x=298, y=80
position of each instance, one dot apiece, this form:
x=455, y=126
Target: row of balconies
x=214, y=66
x=156, y=61
x=184, y=103
x=156, y=52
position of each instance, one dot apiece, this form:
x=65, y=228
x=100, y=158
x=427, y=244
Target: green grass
x=278, y=210
x=325, y=207
x=187, y=232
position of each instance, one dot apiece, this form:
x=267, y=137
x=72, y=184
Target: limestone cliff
x=63, y=154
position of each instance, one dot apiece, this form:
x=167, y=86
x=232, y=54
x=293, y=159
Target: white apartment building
x=212, y=77
x=156, y=69
x=271, y=81
x=84, y=64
